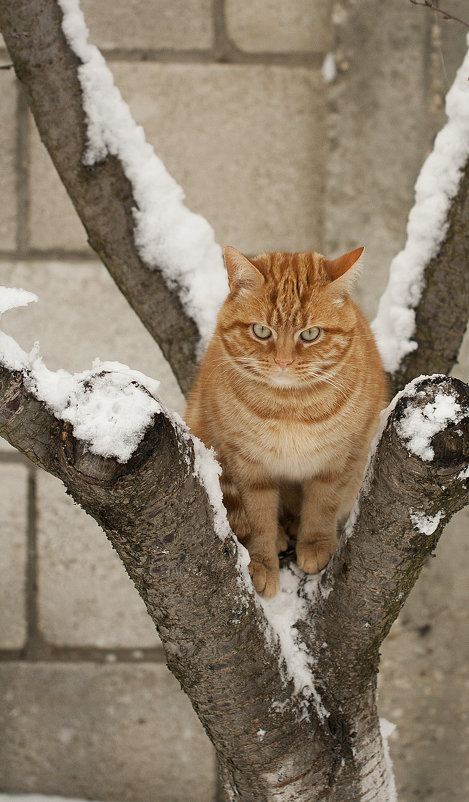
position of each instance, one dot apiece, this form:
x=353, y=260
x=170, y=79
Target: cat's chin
x=283, y=380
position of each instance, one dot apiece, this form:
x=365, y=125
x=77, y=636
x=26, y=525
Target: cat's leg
x=264, y=562
x=235, y=511
x=260, y=499
x=317, y=534
x=261, y=503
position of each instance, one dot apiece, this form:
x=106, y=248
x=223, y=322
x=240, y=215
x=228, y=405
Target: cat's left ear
x=242, y=274
x=344, y=270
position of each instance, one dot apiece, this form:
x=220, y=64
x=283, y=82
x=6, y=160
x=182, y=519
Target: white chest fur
x=292, y=451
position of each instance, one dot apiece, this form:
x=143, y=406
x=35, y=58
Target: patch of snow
x=167, y=235
x=260, y=734
x=109, y=407
x=436, y=186
x=387, y=729
x=12, y=298
x=329, y=68
x=208, y=470
x=11, y=355
x=282, y=613
x=419, y=424
x=426, y=524
x=464, y=474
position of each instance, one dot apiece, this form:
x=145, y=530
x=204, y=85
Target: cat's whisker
x=324, y=378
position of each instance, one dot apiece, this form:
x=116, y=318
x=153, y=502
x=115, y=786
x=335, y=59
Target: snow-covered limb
x=168, y=236
x=126, y=195
x=431, y=270
x=415, y=483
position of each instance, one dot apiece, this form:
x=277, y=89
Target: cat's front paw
x=265, y=578
x=313, y=557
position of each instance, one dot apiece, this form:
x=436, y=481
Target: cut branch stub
x=418, y=478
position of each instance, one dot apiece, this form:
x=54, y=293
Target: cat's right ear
x=242, y=274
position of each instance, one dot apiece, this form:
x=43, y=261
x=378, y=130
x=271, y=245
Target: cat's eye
x=310, y=335
x=262, y=332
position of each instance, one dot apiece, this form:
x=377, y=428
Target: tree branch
x=101, y=194
x=443, y=309
x=372, y=573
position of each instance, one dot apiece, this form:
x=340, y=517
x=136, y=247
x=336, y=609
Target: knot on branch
x=77, y=456
x=11, y=392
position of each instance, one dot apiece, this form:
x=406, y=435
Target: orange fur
x=290, y=421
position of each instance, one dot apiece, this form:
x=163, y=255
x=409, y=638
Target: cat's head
x=288, y=319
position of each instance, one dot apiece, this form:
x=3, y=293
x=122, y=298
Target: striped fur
x=292, y=437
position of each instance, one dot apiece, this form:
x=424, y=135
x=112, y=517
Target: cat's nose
x=283, y=363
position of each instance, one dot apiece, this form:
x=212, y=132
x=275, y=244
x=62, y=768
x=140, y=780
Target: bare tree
x=279, y=735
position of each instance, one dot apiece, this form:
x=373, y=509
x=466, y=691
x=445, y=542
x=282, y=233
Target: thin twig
x=445, y=14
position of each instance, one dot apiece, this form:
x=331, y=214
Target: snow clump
x=426, y=524
x=419, y=424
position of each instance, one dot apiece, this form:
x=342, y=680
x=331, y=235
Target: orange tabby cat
x=288, y=395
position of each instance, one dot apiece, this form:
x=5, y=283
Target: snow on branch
x=436, y=187
x=109, y=407
x=167, y=235
x=416, y=480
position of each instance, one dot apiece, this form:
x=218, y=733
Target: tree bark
x=101, y=194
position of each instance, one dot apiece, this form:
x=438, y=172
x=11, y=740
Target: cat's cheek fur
x=306, y=428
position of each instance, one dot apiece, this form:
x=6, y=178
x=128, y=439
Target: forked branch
x=157, y=515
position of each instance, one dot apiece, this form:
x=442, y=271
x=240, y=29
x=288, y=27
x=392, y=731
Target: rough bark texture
x=102, y=195
x=443, y=311
x=212, y=629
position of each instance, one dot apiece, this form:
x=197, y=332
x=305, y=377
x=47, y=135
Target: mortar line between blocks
x=22, y=172
x=31, y=602
x=224, y=52
x=220, y=36
x=48, y=653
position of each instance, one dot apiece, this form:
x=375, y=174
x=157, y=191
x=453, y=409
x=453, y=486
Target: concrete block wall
x=232, y=96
